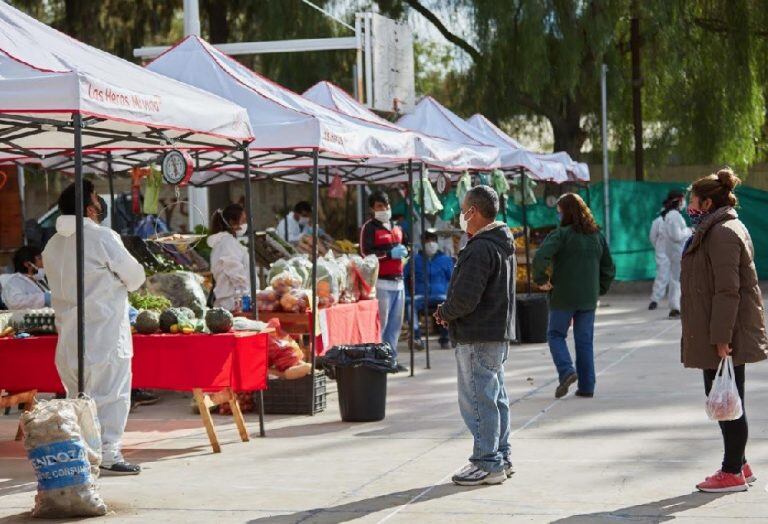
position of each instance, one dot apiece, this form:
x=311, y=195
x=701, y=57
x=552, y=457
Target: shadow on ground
x=362, y=508
x=655, y=512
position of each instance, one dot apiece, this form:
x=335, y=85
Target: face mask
x=303, y=221
x=242, y=230
x=430, y=248
x=696, y=215
x=463, y=222
x=40, y=274
x=383, y=216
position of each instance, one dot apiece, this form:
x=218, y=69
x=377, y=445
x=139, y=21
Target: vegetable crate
x=294, y=397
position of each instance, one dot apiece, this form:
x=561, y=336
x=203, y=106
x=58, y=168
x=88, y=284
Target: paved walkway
x=632, y=454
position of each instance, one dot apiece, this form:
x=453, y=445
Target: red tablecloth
x=178, y=362
x=356, y=323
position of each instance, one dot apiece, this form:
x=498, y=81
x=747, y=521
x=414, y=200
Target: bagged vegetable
x=63, y=442
x=303, y=267
x=182, y=288
x=282, y=350
x=463, y=186
x=432, y=204
x=276, y=268
x=327, y=279
x=286, y=281
x=295, y=301
x=365, y=272
x=268, y=300
x=723, y=402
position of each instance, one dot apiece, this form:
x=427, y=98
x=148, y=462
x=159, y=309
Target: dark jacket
x=480, y=306
x=721, y=299
x=439, y=269
x=582, y=268
x=375, y=239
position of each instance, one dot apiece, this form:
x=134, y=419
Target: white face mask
x=430, y=248
x=383, y=216
x=303, y=221
x=242, y=230
x=462, y=222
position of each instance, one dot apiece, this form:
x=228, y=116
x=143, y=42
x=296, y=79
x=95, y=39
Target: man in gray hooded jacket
x=480, y=313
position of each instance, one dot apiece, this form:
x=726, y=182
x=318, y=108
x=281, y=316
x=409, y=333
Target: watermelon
x=147, y=322
x=219, y=320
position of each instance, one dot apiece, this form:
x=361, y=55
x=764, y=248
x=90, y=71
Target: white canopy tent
x=576, y=170
x=59, y=96
x=433, y=119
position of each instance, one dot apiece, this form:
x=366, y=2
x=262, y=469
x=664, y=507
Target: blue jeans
x=483, y=401
x=391, y=306
x=583, y=332
x=434, y=301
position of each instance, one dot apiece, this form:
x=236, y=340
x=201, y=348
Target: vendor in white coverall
x=661, y=282
x=27, y=288
x=674, y=233
x=110, y=273
x=229, y=257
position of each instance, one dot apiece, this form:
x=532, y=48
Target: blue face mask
x=696, y=216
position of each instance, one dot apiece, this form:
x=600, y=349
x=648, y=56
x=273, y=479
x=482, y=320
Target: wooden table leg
x=207, y=420
x=28, y=398
x=238, y=415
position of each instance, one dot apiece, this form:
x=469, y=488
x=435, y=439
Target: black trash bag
x=378, y=357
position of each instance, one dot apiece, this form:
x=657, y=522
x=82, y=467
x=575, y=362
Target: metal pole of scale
x=315, y=219
x=413, y=314
x=79, y=252
x=425, y=263
x=252, y=257
x=523, y=189
x=111, y=179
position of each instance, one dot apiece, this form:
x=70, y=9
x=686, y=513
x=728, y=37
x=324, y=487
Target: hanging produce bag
x=499, y=182
x=483, y=179
x=463, y=186
x=432, y=204
x=152, y=192
x=723, y=402
x=337, y=189
x=451, y=206
x=517, y=193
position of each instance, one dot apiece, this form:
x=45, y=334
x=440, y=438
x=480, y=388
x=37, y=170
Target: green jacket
x=582, y=268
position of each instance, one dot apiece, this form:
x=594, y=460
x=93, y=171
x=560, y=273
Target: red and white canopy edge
x=433, y=119
x=435, y=152
x=576, y=170
x=288, y=127
x=46, y=77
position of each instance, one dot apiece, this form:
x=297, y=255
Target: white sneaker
x=471, y=475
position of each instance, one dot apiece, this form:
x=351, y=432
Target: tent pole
x=79, y=252
x=425, y=263
x=315, y=219
x=252, y=259
x=523, y=187
x=413, y=315
x=287, y=211
x=111, y=178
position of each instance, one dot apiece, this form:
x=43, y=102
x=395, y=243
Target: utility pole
x=637, y=84
x=606, y=175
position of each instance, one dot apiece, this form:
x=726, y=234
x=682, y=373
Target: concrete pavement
x=632, y=454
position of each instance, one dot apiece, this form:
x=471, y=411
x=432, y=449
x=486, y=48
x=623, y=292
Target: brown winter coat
x=721, y=299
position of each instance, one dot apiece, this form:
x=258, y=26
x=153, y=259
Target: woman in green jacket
x=574, y=264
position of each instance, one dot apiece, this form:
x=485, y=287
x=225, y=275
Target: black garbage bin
x=533, y=318
x=361, y=374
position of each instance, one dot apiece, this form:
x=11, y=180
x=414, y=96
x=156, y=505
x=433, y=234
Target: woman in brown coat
x=722, y=309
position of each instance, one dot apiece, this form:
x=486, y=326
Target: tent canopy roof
x=46, y=76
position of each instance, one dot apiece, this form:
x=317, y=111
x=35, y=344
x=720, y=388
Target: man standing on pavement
x=110, y=273
x=480, y=314
x=380, y=237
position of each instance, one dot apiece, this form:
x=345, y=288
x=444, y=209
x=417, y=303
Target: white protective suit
x=661, y=281
x=229, y=266
x=21, y=292
x=295, y=229
x=110, y=273
x=674, y=235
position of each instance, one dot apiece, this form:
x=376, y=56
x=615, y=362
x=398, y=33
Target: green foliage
x=144, y=300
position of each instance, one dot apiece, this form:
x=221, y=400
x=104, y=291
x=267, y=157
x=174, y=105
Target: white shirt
x=21, y=292
x=230, y=269
x=110, y=273
x=295, y=229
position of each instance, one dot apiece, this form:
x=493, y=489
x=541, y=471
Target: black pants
x=735, y=432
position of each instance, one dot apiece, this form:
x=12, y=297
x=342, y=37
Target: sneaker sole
x=751, y=480
x=562, y=389
x=109, y=473
x=485, y=481
x=729, y=489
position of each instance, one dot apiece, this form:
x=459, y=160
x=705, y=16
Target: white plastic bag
x=63, y=443
x=723, y=402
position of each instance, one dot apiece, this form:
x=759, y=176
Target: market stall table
x=201, y=363
x=341, y=324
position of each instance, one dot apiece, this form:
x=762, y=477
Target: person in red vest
x=380, y=237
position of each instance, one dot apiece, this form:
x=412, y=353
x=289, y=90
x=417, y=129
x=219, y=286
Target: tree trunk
x=218, y=23
x=569, y=136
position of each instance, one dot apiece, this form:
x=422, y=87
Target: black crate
x=294, y=397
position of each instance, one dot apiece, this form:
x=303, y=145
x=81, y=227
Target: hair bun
x=728, y=178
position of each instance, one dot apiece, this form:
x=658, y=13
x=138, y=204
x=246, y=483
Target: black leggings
x=735, y=432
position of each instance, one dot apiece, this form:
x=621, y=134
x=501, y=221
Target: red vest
x=377, y=240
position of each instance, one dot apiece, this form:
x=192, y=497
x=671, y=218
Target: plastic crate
x=294, y=397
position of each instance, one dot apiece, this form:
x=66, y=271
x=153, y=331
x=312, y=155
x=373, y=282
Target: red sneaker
x=748, y=475
x=722, y=482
